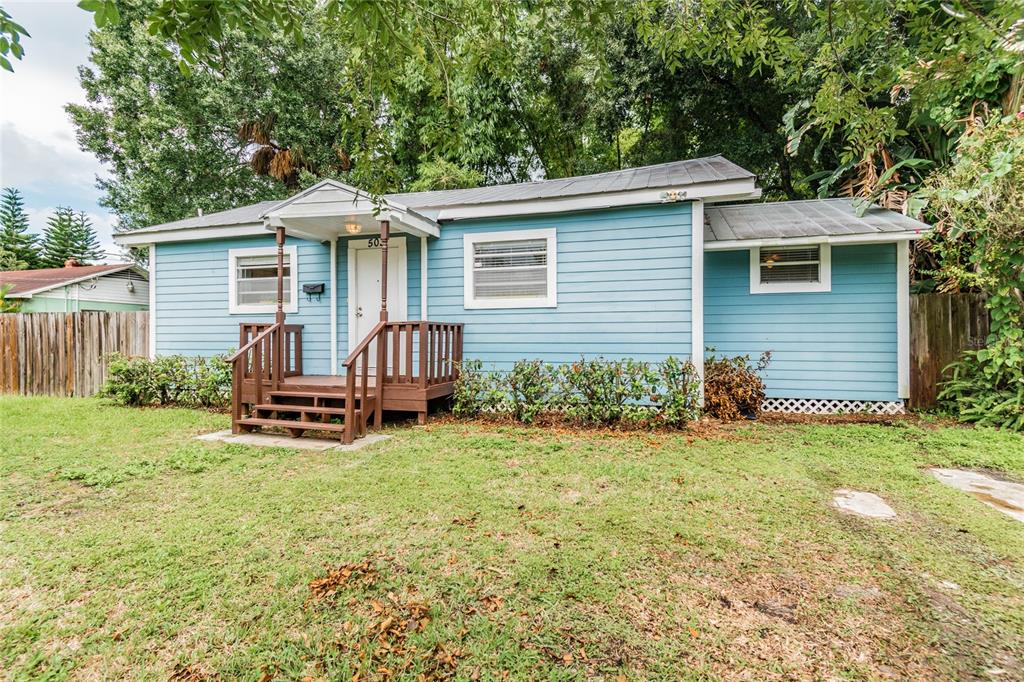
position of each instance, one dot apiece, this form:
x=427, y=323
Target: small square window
x=790, y=269
x=510, y=269
x=252, y=280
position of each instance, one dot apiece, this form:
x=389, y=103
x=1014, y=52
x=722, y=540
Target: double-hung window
x=790, y=269
x=510, y=269
x=252, y=280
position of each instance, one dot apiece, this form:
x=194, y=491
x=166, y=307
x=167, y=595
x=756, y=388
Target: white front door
x=364, y=285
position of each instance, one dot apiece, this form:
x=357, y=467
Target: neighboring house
x=643, y=263
x=74, y=288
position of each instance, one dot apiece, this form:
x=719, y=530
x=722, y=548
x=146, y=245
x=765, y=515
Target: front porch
x=391, y=366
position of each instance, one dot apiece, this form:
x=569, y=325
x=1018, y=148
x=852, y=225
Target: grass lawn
x=128, y=549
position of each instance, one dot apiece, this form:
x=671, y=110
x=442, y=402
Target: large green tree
x=448, y=93
x=879, y=89
x=835, y=96
x=18, y=244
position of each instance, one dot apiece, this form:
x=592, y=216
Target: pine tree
x=69, y=235
x=59, y=238
x=16, y=241
x=87, y=244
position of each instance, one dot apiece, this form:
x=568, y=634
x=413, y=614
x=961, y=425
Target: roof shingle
x=23, y=281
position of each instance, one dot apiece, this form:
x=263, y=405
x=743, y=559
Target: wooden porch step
x=311, y=409
x=292, y=424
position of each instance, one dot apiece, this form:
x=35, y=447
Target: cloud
x=29, y=162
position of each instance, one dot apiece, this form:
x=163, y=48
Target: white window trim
x=293, y=263
x=470, y=302
x=824, y=282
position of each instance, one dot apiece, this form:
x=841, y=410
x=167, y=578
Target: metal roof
x=798, y=219
x=243, y=215
x=25, y=282
x=675, y=175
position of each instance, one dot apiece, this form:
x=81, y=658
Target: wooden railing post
x=382, y=358
x=236, y=395
x=423, y=354
x=350, y=407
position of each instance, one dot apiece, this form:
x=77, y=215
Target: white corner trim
x=697, y=293
x=293, y=263
x=334, y=305
x=824, y=283
x=152, y=301
x=874, y=238
x=903, y=318
x=424, y=263
x=470, y=302
x=396, y=249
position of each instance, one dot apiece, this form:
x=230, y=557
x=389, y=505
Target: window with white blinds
x=510, y=269
x=787, y=269
x=252, y=283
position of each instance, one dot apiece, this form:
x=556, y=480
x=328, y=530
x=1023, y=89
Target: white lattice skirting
x=822, y=406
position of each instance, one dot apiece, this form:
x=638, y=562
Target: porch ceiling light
x=353, y=228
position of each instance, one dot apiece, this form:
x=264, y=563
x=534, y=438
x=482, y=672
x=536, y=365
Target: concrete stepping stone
x=1005, y=496
x=864, y=504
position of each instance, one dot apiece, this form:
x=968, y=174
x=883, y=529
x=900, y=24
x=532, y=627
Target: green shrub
x=168, y=380
x=732, y=387
x=530, y=385
x=607, y=392
x=680, y=395
x=987, y=386
x=594, y=391
x=475, y=390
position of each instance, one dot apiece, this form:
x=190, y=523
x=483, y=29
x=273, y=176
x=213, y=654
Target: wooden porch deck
x=416, y=363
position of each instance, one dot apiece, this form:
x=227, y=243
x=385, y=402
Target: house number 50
x=373, y=243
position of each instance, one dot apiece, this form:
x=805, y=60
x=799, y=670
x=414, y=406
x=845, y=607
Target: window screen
x=510, y=269
x=256, y=280
x=802, y=264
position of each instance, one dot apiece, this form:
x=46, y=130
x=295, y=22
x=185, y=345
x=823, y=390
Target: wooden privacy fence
x=942, y=326
x=66, y=353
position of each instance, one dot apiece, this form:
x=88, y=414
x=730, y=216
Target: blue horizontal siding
x=192, y=298
x=839, y=344
x=623, y=280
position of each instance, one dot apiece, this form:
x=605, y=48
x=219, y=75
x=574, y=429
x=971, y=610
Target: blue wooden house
x=344, y=306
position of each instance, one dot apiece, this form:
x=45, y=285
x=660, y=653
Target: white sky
x=38, y=152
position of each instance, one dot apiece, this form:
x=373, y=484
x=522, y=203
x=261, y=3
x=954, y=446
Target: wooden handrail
x=363, y=344
x=358, y=362
x=439, y=355
x=272, y=354
x=256, y=339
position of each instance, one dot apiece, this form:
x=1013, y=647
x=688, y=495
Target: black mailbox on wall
x=311, y=290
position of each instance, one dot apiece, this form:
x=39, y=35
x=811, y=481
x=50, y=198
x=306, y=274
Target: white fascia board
x=190, y=234
x=731, y=190
x=874, y=238
x=402, y=218
x=417, y=223
x=328, y=183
